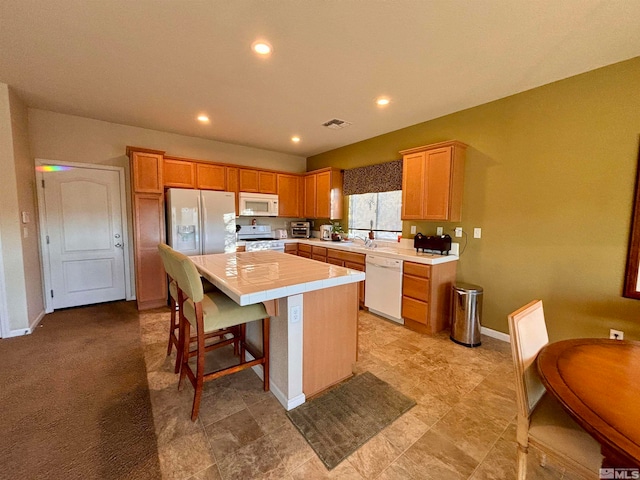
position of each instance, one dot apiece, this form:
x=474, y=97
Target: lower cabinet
x=354, y=261
x=304, y=250
x=151, y=279
x=426, y=296
x=319, y=253
x=291, y=248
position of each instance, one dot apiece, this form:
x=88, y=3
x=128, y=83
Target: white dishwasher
x=383, y=287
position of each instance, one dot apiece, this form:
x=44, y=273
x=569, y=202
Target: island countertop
x=253, y=277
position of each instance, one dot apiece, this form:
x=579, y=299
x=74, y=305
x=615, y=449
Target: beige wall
x=27, y=201
x=549, y=178
x=20, y=257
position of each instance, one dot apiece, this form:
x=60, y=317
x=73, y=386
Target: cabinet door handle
x=118, y=245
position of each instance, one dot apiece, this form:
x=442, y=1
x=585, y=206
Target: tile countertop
x=385, y=249
x=252, y=277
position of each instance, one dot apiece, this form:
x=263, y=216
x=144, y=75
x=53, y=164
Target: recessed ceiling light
x=382, y=101
x=203, y=118
x=295, y=139
x=262, y=48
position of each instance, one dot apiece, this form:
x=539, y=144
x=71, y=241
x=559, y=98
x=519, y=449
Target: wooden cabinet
x=319, y=253
x=210, y=176
x=304, y=250
x=182, y=173
x=323, y=194
x=148, y=226
x=433, y=181
x=151, y=280
x=146, y=170
x=355, y=261
x=289, y=195
x=258, y=181
x=291, y=248
x=309, y=209
x=233, y=183
x=179, y=174
x=426, y=296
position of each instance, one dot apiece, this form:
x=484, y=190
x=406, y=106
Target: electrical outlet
x=477, y=233
x=413, y=229
x=294, y=313
x=458, y=232
x=616, y=334
x=438, y=230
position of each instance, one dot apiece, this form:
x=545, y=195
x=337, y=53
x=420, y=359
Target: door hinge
x=47, y=239
x=51, y=293
x=43, y=183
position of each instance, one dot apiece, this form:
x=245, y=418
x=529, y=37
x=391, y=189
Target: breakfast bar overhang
x=314, y=315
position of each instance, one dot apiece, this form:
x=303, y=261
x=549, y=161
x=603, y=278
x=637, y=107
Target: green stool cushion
x=219, y=311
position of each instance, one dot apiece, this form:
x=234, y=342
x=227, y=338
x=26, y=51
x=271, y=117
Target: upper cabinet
x=323, y=194
x=433, y=181
x=258, y=181
x=210, y=176
x=147, y=169
x=289, y=195
x=179, y=174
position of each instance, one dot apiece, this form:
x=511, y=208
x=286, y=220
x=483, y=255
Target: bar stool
x=167, y=255
x=214, y=312
x=174, y=324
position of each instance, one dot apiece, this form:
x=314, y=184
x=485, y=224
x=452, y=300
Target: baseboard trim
x=495, y=334
x=19, y=332
x=287, y=403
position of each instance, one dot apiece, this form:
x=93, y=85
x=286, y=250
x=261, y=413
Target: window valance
x=383, y=177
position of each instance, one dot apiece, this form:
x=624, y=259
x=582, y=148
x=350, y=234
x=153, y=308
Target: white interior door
x=85, y=236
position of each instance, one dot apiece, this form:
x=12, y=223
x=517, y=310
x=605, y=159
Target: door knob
x=117, y=235
x=118, y=245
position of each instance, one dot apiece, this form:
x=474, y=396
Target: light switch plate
x=458, y=232
x=477, y=233
x=413, y=229
x=438, y=230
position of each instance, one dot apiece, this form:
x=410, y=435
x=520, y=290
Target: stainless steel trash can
x=466, y=312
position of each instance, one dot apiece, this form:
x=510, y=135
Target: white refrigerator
x=201, y=221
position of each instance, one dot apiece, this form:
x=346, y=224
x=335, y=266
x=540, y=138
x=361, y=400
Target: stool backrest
x=187, y=276
x=528, y=332
x=165, y=252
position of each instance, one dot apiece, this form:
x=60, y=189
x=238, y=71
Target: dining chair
x=542, y=422
x=169, y=256
x=215, y=313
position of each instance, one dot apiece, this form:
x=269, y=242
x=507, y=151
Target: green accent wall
x=549, y=178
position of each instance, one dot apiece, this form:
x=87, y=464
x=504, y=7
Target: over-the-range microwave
x=258, y=204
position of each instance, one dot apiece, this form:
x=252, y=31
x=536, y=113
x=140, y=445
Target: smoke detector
x=336, y=124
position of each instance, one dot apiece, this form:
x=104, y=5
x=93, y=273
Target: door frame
x=42, y=220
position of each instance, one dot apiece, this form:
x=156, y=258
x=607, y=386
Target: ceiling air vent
x=336, y=124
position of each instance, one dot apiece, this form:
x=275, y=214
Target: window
x=379, y=212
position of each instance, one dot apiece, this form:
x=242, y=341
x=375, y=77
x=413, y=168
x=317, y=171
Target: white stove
x=259, y=237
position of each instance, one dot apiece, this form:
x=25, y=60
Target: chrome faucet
x=368, y=243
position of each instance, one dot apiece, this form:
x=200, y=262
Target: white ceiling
x=158, y=63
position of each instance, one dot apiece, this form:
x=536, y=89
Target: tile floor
x=463, y=426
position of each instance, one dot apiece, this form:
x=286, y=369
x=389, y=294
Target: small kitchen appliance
x=325, y=232
x=280, y=233
x=300, y=229
x=433, y=243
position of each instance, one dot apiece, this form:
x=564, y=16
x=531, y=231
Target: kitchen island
x=314, y=315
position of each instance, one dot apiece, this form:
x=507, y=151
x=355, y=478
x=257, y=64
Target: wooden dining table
x=597, y=381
